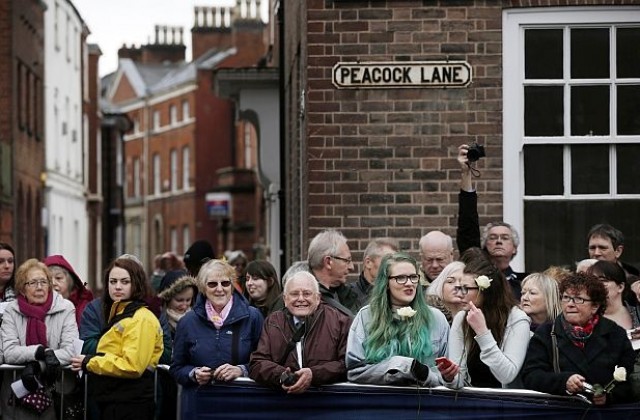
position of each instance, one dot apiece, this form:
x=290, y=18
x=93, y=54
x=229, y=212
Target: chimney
x=211, y=29
x=168, y=46
x=132, y=52
x=249, y=32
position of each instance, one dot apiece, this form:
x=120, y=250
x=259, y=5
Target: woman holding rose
x=397, y=337
x=489, y=338
x=582, y=351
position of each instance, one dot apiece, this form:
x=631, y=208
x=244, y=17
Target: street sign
x=390, y=75
x=218, y=204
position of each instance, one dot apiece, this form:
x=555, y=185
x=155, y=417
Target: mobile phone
x=444, y=362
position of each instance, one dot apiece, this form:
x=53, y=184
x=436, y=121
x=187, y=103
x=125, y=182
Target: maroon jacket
x=324, y=347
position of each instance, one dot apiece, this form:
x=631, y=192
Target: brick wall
x=382, y=162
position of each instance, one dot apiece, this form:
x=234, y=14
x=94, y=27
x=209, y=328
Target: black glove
x=420, y=371
x=52, y=371
x=40, y=353
x=30, y=375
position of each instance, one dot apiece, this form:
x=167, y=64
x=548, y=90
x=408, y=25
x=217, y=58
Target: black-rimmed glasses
x=347, y=260
x=214, y=284
x=578, y=300
x=403, y=278
x=464, y=290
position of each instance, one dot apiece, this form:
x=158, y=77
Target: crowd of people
x=470, y=322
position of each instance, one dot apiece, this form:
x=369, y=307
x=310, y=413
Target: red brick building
x=183, y=143
x=22, y=125
x=553, y=96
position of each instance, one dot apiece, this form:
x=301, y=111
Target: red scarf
x=580, y=335
x=36, y=328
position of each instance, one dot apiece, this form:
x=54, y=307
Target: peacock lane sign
x=390, y=75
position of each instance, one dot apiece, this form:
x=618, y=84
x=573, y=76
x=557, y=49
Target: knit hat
x=170, y=277
x=198, y=253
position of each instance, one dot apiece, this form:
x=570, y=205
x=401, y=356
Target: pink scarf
x=218, y=318
x=36, y=328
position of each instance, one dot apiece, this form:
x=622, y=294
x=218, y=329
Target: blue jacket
x=198, y=343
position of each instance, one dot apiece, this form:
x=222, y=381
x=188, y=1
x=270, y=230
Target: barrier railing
x=243, y=398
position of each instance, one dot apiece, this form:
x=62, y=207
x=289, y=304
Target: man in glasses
x=330, y=262
x=373, y=254
x=499, y=239
x=303, y=345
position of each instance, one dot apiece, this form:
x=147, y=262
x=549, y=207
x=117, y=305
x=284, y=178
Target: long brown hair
x=497, y=300
x=140, y=288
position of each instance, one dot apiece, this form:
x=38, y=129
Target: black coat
x=607, y=348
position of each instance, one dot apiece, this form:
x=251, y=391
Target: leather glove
x=52, y=371
x=30, y=375
x=420, y=371
x=40, y=353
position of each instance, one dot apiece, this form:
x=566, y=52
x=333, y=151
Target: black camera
x=288, y=378
x=475, y=152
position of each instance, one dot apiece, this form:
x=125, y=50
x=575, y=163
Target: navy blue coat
x=607, y=347
x=198, y=343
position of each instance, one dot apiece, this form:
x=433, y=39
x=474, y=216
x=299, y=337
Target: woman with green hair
x=397, y=337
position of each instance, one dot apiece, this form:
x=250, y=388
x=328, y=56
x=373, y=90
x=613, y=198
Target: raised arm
x=468, y=232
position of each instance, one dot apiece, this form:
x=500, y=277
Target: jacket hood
x=59, y=260
x=178, y=286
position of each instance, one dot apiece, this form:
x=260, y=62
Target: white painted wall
x=65, y=137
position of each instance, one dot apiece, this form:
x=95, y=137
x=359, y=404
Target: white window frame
x=156, y=175
x=186, y=163
x=173, y=114
x=186, y=238
x=514, y=21
x=136, y=177
x=185, y=110
x=174, y=169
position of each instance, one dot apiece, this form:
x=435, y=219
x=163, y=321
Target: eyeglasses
x=464, y=290
x=214, y=284
x=403, y=278
x=37, y=283
x=575, y=299
x=347, y=260
x=504, y=237
x=306, y=294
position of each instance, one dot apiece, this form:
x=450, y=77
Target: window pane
x=628, y=106
x=589, y=53
x=627, y=173
x=590, y=169
x=543, y=110
x=589, y=110
x=628, y=54
x=555, y=231
x=543, y=170
x=543, y=54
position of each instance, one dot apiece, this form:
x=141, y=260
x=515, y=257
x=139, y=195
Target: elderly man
x=607, y=243
x=304, y=344
x=499, y=239
x=330, y=262
x=436, y=252
x=373, y=254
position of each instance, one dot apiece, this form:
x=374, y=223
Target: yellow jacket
x=130, y=347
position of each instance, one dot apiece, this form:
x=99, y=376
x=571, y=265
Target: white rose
x=620, y=374
x=406, y=312
x=483, y=282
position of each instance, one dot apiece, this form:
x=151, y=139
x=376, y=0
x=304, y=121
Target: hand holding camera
x=288, y=378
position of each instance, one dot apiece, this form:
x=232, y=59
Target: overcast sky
x=116, y=22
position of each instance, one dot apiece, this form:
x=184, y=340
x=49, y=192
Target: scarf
x=174, y=316
x=218, y=318
x=36, y=328
x=580, y=335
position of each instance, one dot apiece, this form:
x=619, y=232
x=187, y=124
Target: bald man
x=436, y=252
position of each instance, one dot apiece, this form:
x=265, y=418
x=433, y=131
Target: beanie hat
x=170, y=277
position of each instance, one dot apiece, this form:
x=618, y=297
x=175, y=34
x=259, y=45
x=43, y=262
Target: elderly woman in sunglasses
x=213, y=342
x=581, y=349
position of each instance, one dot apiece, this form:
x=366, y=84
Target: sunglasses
x=214, y=284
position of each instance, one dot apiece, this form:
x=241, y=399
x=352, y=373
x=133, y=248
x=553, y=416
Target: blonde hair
x=23, y=271
x=214, y=266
